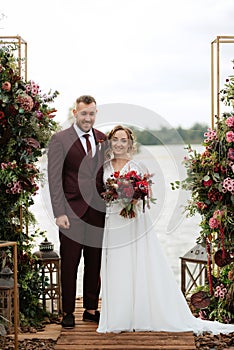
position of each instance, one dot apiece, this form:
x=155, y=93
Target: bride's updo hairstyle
x=131, y=140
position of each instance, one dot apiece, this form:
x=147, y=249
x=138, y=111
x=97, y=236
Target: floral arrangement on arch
x=210, y=180
x=26, y=126
x=129, y=189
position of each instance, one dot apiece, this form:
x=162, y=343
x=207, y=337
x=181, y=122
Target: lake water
x=176, y=233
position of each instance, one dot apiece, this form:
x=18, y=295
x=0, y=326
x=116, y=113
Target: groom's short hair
x=87, y=99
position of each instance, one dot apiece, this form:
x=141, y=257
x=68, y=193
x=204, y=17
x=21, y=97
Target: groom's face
x=85, y=115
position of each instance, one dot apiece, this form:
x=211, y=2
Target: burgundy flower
x=12, y=111
x=214, y=195
x=39, y=115
x=208, y=183
x=216, y=168
x=36, y=105
x=223, y=169
x=201, y=205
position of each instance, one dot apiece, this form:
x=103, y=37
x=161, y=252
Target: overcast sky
x=150, y=53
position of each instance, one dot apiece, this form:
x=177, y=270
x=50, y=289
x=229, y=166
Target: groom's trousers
x=87, y=239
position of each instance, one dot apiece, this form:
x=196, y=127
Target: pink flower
x=26, y=102
x=33, y=88
x=230, y=153
x=218, y=214
x=228, y=185
x=17, y=188
x=3, y=166
x=230, y=136
x=214, y=223
x=230, y=121
x=210, y=135
x=221, y=295
x=6, y=86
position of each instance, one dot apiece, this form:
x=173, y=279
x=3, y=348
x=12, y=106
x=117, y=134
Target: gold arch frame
x=215, y=74
x=22, y=52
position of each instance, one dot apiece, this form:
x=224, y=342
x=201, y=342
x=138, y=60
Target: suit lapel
x=76, y=140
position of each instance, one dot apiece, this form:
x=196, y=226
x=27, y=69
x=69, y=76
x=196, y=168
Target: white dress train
x=139, y=290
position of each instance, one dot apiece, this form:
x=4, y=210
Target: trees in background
x=193, y=135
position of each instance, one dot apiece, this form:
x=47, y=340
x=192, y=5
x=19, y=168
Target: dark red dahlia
x=214, y=195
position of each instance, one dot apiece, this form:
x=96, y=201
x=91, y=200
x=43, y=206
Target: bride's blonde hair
x=131, y=139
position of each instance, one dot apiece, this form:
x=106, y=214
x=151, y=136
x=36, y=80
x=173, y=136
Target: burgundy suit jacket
x=75, y=179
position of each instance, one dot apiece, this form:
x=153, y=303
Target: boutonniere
x=99, y=143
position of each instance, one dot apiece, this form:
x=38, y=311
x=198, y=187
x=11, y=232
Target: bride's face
x=120, y=143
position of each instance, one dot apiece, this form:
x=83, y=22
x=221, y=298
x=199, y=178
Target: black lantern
x=48, y=263
x=7, y=298
x=193, y=268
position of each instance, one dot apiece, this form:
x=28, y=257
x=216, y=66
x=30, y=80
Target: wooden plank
x=121, y=341
x=85, y=337
x=130, y=347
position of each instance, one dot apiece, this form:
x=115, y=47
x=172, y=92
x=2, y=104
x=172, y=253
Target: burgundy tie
x=88, y=144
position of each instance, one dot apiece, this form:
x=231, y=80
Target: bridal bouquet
x=128, y=189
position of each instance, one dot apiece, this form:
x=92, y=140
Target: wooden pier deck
x=85, y=337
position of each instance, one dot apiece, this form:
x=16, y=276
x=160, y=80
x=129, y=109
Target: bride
x=139, y=290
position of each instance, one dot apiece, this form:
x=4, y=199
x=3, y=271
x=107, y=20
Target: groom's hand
x=63, y=222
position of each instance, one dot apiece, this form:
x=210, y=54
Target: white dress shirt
x=80, y=134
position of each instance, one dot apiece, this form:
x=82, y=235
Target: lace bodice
x=130, y=165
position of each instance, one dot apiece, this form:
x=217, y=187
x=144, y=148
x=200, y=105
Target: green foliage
x=26, y=126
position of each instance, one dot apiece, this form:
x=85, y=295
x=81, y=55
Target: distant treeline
x=172, y=136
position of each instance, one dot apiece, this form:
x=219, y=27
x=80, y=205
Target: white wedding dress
x=139, y=290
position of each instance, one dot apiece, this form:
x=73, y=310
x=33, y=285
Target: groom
x=75, y=175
